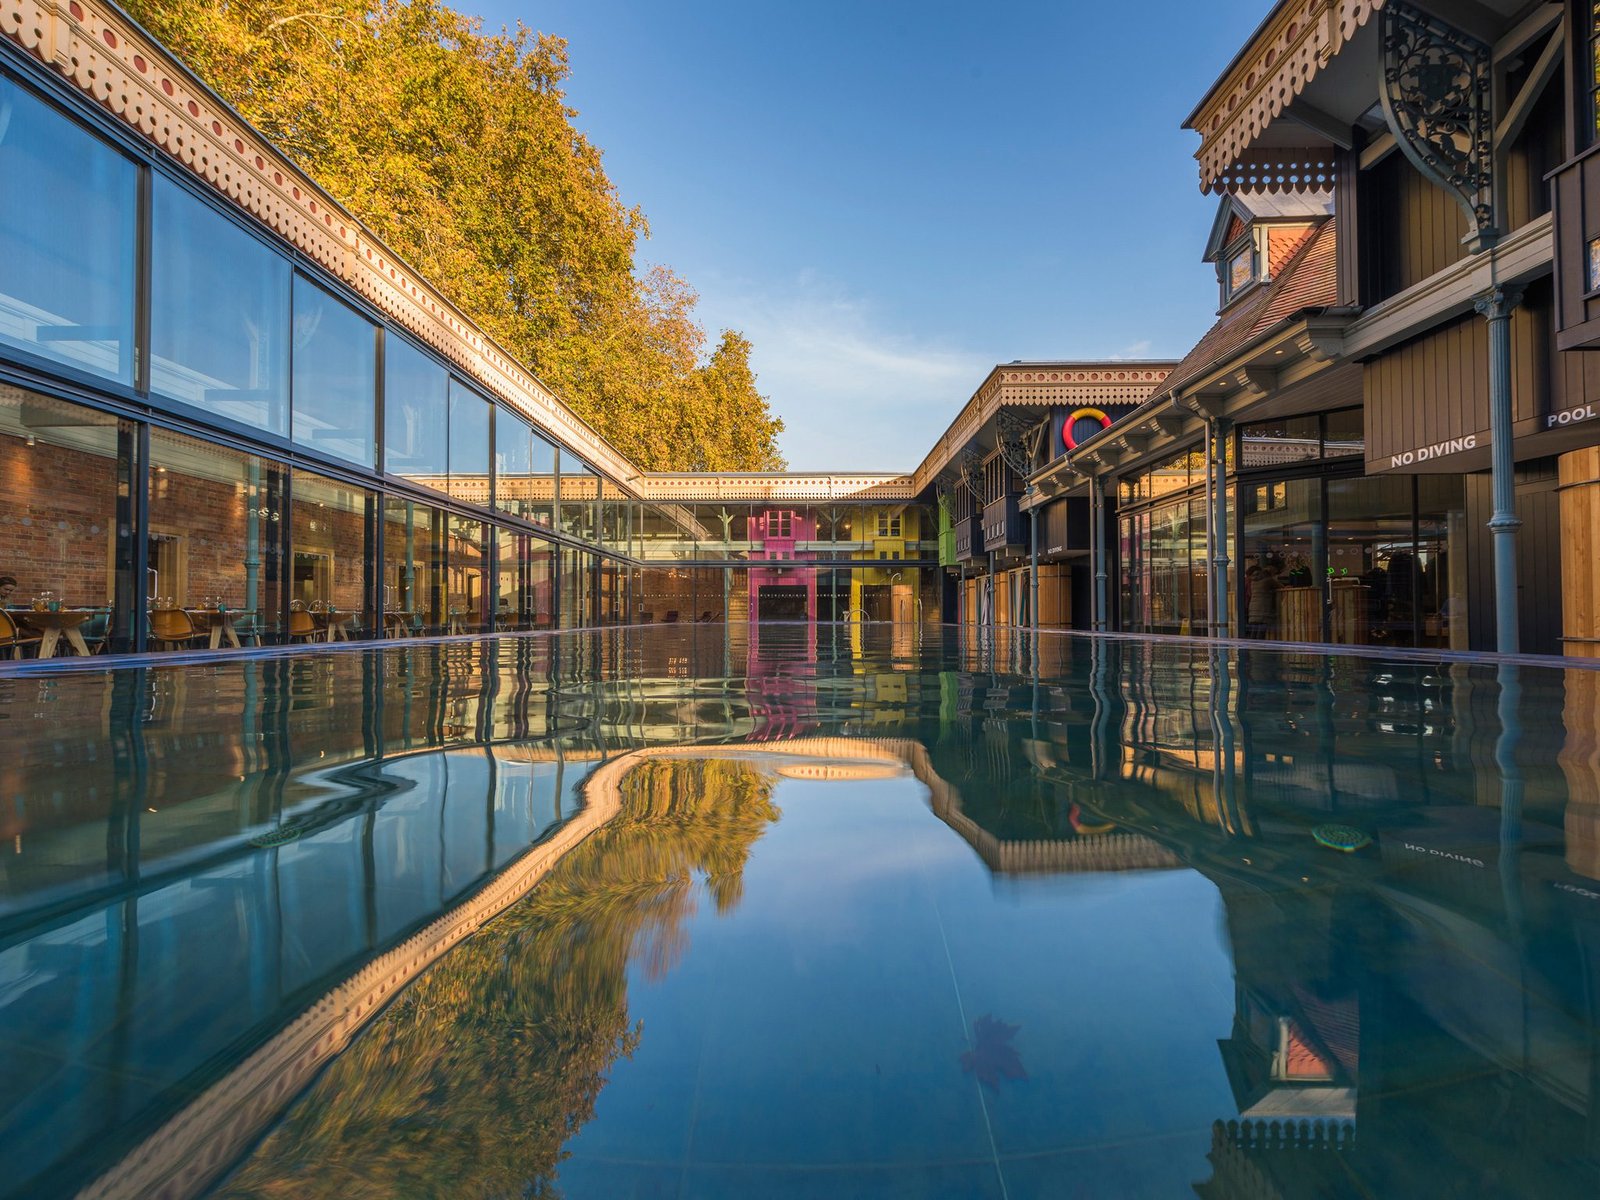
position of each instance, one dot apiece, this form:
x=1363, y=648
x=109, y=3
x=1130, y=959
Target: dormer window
x=1254, y=234
x=1241, y=270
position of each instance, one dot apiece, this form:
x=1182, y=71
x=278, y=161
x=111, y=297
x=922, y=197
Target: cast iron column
x=1033, y=561
x=1221, y=428
x=1496, y=305
x=1098, y=492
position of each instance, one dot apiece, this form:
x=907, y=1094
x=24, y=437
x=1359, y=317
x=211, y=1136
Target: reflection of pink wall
x=767, y=544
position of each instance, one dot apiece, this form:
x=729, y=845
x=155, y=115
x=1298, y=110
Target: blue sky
x=890, y=197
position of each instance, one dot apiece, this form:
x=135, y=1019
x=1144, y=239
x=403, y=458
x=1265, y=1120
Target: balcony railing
x=1576, y=186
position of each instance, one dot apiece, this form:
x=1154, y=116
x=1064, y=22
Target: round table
x=333, y=624
x=220, y=622
x=56, y=627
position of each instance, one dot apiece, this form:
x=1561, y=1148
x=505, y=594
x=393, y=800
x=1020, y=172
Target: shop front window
x=466, y=578
x=526, y=571
x=331, y=557
x=214, y=536
x=1372, y=565
x=66, y=546
x=67, y=240
x=1282, y=539
x=413, y=568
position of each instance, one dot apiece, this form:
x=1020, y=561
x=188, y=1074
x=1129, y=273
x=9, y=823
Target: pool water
x=800, y=911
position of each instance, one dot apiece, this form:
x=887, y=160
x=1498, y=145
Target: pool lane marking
x=983, y=1101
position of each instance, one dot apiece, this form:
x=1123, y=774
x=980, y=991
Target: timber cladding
x=1427, y=400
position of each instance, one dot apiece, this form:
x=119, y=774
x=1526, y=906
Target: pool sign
x=1434, y=450
x=1571, y=416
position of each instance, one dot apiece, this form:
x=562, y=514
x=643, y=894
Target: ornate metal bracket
x=971, y=475
x=1012, y=430
x=1436, y=97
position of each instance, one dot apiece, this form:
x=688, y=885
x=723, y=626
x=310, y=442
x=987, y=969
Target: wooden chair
x=96, y=630
x=303, y=625
x=173, y=627
x=13, y=639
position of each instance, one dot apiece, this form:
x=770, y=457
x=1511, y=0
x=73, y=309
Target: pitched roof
x=1308, y=280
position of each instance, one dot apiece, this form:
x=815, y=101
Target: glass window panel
x=580, y=490
x=524, y=583
x=524, y=470
x=723, y=530
x=335, y=376
x=219, y=313
x=331, y=553
x=214, y=531
x=577, y=568
x=61, y=538
x=613, y=516
x=416, y=415
x=465, y=585
x=1169, y=476
x=67, y=240
x=1282, y=535
x=1344, y=433
x=1372, y=561
x=663, y=531
x=1442, y=534
x=1274, y=443
x=469, y=445
x=413, y=568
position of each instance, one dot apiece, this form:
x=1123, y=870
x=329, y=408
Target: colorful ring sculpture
x=1095, y=414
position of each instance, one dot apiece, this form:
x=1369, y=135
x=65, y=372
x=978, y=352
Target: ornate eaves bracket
x=1012, y=431
x=1436, y=90
x=971, y=471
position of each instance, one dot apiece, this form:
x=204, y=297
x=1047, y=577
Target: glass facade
x=197, y=526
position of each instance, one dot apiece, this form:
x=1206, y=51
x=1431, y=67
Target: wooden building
x=1407, y=240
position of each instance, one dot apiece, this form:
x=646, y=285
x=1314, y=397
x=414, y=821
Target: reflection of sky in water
x=811, y=1039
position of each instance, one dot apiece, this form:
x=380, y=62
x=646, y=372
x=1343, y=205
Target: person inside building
x=8, y=584
x=1261, y=583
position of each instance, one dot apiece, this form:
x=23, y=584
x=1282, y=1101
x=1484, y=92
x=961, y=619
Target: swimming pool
x=800, y=911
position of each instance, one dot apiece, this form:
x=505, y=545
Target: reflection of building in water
x=642, y=810
x=1416, y=1018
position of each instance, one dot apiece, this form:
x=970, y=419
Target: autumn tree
x=457, y=147
x=474, y=1079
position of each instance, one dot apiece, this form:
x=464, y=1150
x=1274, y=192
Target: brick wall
x=208, y=517
x=57, y=521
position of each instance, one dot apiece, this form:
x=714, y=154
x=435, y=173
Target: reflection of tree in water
x=470, y=1084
